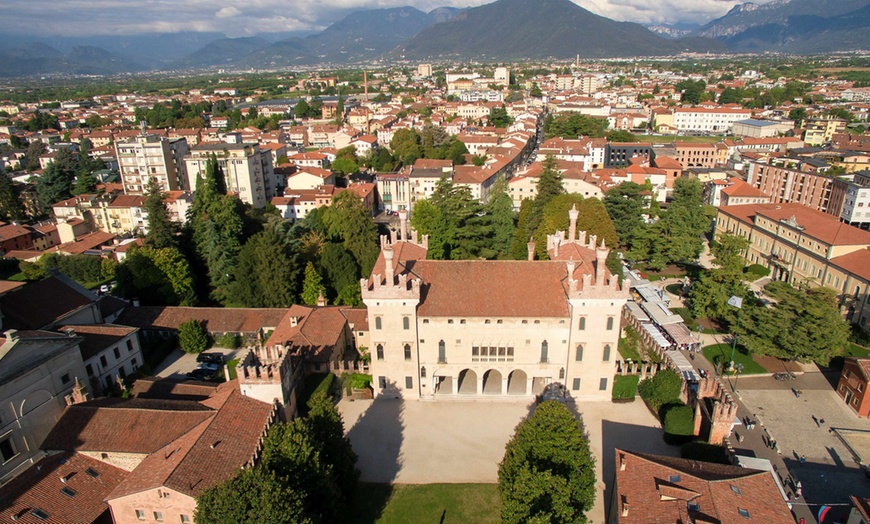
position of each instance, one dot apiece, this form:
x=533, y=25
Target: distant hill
x=677, y=30
x=361, y=35
x=39, y=59
x=513, y=29
x=797, y=26
x=223, y=51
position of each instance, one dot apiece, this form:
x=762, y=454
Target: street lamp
x=738, y=303
x=738, y=368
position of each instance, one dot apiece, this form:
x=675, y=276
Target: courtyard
x=451, y=442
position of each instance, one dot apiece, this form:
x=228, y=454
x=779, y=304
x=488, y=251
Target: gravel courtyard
x=419, y=442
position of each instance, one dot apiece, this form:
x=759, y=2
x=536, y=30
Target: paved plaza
x=419, y=442
x=830, y=473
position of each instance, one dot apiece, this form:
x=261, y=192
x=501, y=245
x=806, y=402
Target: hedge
x=625, y=387
x=663, y=388
x=756, y=270
x=678, y=419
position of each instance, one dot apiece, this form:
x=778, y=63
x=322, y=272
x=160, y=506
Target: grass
x=722, y=353
x=628, y=351
x=854, y=350
x=231, y=366
x=435, y=503
x=625, y=387
x=15, y=277
x=691, y=322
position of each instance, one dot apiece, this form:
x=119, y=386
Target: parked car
x=216, y=358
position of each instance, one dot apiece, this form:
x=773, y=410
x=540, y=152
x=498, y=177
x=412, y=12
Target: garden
x=441, y=503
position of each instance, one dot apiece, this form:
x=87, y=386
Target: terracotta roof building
x=442, y=329
x=654, y=489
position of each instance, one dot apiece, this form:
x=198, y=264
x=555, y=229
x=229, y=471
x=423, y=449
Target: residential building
x=856, y=201
x=490, y=329
x=853, y=383
x=38, y=370
x=394, y=190
x=690, y=154
x=308, y=178
x=805, y=246
x=732, y=192
x=708, y=120
x=820, y=131
x=425, y=174
x=247, y=169
x=620, y=154
x=148, y=156
x=655, y=488
x=14, y=237
x=110, y=353
x=173, y=448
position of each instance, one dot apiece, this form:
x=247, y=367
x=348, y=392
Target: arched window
x=380, y=352
x=423, y=372
x=562, y=374
x=607, y=353
x=407, y=351
x=377, y=322
x=544, y=351
x=406, y=323
x=609, y=323
x=442, y=352
x=578, y=356
x=582, y=323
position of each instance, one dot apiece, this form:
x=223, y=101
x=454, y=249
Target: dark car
x=201, y=374
x=215, y=358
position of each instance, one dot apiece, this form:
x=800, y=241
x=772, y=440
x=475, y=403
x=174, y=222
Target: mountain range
x=502, y=30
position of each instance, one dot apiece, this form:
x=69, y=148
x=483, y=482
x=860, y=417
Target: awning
x=660, y=314
x=680, y=334
x=657, y=335
x=636, y=311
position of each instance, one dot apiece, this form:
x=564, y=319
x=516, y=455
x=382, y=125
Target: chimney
x=572, y=228
x=388, y=263
x=571, y=269
x=321, y=301
x=622, y=462
x=531, y=246
x=556, y=246
x=403, y=225
x=294, y=321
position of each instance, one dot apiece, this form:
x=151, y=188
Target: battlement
x=264, y=365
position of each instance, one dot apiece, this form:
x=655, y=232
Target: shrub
x=360, y=381
x=757, y=271
x=663, y=388
x=192, y=337
x=704, y=452
x=625, y=387
x=678, y=419
x=229, y=341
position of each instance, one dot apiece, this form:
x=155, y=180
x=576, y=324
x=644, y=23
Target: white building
x=491, y=329
x=714, y=120
x=247, y=169
x=109, y=352
x=150, y=156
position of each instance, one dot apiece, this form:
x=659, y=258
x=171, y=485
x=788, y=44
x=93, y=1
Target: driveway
x=419, y=442
x=178, y=363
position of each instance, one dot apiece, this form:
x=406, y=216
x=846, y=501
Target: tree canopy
x=548, y=471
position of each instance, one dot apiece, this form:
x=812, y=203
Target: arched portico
x=517, y=382
x=492, y=382
x=467, y=384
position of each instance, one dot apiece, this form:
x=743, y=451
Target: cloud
x=46, y=18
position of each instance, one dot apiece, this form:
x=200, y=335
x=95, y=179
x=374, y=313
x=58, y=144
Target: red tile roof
x=40, y=487
x=224, y=320
x=40, y=303
x=656, y=489
x=818, y=225
x=856, y=262
x=98, y=337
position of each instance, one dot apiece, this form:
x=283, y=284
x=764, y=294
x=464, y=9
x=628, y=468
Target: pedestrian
x=803, y=459
x=821, y=421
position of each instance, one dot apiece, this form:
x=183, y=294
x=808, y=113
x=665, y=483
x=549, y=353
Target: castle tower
x=267, y=374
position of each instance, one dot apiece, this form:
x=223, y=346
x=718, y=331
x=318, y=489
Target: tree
x=681, y=228
x=11, y=206
x=56, y=181
x=535, y=91
x=548, y=472
x=662, y=388
x=519, y=243
x=498, y=117
x=266, y=273
x=255, y=495
x=192, y=336
x=620, y=135
x=574, y=125
x=549, y=186
x=798, y=114
x=592, y=218
x=312, y=286
x=340, y=270
x=345, y=166
x=502, y=217
x=804, y=325
x=156, y=276
x=626, y=206
x=35, y=149
x=327, y=430
x=302, y=109
x=161, y=230
x=348, y=220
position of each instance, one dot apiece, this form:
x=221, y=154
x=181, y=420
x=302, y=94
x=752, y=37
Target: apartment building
x=148, y=156
x=689, y=154
x=708, y=120
x=490, y=329
x=805, y=246
x=248, y=170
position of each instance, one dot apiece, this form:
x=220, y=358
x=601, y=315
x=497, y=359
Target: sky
x=93, y=17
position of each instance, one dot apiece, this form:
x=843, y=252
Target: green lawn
x=628, y=352
x=854, y=350
x=722, y=353
x=231, y=366
x=427, y=503
x=16, y=277
x=690, y=322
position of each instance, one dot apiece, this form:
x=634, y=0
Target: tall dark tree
x=56, y=181
x=255, y=495
x=35, y=149
x=11, y=206
x=327, y=430
x=348, y=220
x=626, y=205
x=161, y=231
x=592, y=218
x=500, y=209
x=549, y=187
x=338, y=268
x=685, y=221
x=519, y=243
x=266, y=273
x=548, y=471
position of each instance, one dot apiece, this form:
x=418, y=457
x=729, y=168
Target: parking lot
x=420, y=442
